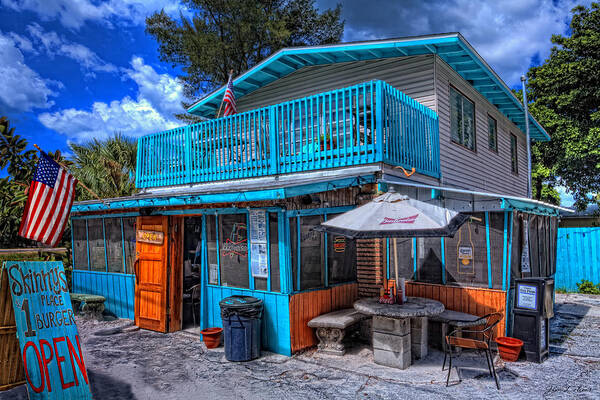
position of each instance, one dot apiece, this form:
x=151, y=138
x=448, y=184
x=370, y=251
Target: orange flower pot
x=211, y=337
x=509, y=348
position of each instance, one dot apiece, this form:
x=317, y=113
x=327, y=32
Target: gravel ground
x=138, y=364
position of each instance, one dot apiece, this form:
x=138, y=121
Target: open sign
x=48, y=337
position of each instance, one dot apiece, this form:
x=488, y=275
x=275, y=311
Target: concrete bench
x=449, y=321
x=88, y=304
x=331, y=329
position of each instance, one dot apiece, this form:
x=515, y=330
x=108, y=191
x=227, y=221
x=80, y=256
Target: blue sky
x=75, y=70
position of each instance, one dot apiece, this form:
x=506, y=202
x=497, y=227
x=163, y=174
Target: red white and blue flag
x=49, y=202
x=229, y=99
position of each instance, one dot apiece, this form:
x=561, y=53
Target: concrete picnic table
x=399, y=330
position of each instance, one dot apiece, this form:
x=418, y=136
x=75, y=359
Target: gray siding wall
x=482, y=169
x=411, y=75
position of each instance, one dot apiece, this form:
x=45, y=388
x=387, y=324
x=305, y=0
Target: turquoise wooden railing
x=362, y=124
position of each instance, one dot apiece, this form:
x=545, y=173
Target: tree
x=236, y=35
x=105, y=166
x=19, y=163
x=565, y=100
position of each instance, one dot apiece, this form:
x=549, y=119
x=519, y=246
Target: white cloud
x=566, y=198
x=508, y=34
x=21, y=88
x=54, y=45
x=159, y=96
x=75, y=13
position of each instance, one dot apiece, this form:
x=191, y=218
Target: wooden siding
x=308, y=305
x=118, y=289
x=275, y=322
x=476, y=301
x=411, y=75
x=11, y=366
x=482, y=169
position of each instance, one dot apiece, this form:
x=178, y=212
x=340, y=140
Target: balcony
x=362, y=124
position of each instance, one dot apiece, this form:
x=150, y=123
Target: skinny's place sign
x=48, y=337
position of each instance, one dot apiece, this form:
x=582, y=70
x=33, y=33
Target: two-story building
x=227, y=206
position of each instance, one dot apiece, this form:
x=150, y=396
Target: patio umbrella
x=395, y=215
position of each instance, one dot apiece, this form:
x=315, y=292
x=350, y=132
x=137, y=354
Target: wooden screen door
x=151, y=277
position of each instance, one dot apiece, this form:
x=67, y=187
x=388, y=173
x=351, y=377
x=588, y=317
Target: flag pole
x=223, y=100
x=82, y=185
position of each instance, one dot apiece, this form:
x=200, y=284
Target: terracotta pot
x=509, y=348
x=211, y=337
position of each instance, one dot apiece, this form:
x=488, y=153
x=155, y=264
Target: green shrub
x=587, y=287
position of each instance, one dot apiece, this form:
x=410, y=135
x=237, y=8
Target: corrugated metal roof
x=451, y=47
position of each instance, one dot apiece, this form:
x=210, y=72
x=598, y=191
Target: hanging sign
x=48, y=337
x=465, y=260
x=525, y=266
x=258, y=259
x=153, y=237
x=258, y=226
x=527, y=296
x=259, y=263
x=339, y=244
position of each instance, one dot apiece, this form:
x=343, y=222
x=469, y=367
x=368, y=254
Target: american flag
x=229, y=99
x=49, y=202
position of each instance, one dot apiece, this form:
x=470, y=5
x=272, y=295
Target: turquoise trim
x=123, y=246
x=504, y=250
x=298, y=253
x=204, y=276
x=319, y=211
x=105, y=250
x=87, y=243
x=258, y=195
x=285, y=268
x=531, y=208
x=510, y=243
x=489, y=248
x=268, y=223
x=249, y=247
x=115, y=215
x=416, y=256
x=443, y=256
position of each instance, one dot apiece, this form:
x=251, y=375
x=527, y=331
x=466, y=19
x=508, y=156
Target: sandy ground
x=147, y=365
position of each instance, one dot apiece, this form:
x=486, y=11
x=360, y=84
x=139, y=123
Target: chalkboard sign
x=48, y=337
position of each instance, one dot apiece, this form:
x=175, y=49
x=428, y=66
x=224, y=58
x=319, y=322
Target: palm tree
x=105, y=166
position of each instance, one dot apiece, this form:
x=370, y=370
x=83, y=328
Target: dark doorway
x=192, y=259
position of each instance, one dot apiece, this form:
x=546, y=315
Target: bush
x=587, y=287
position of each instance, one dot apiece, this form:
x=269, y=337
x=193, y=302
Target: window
x=233, y=251
x=323, y=257
x=429, y=260
x=462, y=119
x=211, y=247
x=262, y=283
x=80, y=254
x=114, y=245
x=514, y=162
x=129, y=239
x=105, y=238
x=96, y=243
x=341, y=257
x=311, y=253
x=466, y=254
x=404, y=256
x=492, y=134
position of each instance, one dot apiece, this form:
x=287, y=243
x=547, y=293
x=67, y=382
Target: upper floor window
x=462, y=119
x=514, y=163
x=492, y=134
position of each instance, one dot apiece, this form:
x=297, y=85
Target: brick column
x=370, y=266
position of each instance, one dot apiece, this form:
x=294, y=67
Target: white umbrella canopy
x=395, y=215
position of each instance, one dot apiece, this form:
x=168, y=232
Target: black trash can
x=241, y=316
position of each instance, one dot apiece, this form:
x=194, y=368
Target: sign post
x=48, y=337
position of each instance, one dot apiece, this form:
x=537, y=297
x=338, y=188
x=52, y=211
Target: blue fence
x=361, y=124
x=578, y=257
x=117, y=288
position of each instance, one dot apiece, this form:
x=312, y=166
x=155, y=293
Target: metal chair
x=488, y=323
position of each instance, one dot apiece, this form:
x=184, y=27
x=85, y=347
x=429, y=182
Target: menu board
x=527, y=296
x=259, y=256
